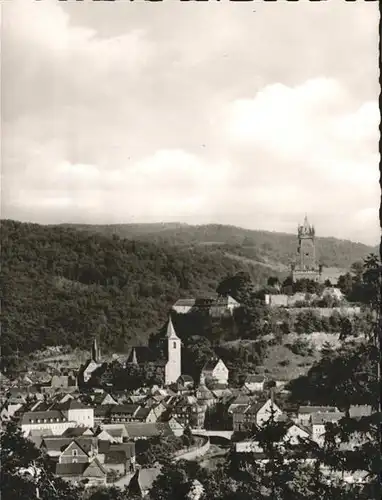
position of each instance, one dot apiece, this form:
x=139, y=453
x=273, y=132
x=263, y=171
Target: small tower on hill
x=173, y=368
x=306, y=266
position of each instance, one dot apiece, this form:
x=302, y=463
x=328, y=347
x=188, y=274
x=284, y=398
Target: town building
x=92, y=364
x=215, y=371
x=223, y=307
x=318, y=423
x=255, y=383
x=305, y=413
x=244, y=417
x=170, y=367
x=50, y=420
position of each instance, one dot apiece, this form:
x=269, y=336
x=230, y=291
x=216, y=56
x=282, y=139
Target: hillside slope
x=261, y=246
x=63, y=286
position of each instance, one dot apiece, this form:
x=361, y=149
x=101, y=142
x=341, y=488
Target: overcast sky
x=240, y=113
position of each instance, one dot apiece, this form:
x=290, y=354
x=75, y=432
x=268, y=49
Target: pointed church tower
x=173, y=368
x=96, y=353
x=134, y=357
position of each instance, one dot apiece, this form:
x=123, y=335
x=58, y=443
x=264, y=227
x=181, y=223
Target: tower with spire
x=96, y=353
x=173, y=369
x=306, y=266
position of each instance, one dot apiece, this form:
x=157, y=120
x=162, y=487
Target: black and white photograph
x=190, y=250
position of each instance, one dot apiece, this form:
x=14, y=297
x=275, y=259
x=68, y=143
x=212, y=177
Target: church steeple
x=96, y=353
x=174, y=360
x=134, y=357
x=170, y=334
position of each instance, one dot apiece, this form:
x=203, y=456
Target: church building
x=306, y=266
x=171, y=365
x=93, y=363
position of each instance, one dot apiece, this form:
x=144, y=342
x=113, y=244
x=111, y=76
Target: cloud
x=209, y=114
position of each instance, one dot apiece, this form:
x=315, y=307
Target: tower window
x=174, y=345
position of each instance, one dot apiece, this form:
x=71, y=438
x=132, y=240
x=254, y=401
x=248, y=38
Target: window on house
x=74, y=460
x=74, y=453
x=174, y=345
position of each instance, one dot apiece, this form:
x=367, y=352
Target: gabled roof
x=240, y=409
x=184, y=302
x=356, y=411
x=115, y=457
x=142, y=480
x=127, y=448
x=143, y=413
x=94, y=469
x=225, y=301
x=102, y=410
x=316, y=409
x=75, y=445
x=126, y=409
x=253, y=378
x=142, y=354
x=71, y=469
x=144, y=429
x=323, y=418
x=211, y=364
x=74, y=432
x=31, y=417
x=59, y=443
x=40, y=432
x=71, y=404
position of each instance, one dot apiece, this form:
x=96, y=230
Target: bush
x=300, y=347
x=284, y=362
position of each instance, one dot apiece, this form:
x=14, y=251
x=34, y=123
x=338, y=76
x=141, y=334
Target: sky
x=250, y=114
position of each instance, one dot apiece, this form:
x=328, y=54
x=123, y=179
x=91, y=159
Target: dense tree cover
x=363, y=284
x=343, y=377
x=159, y=449
x=349, y=375
x=28, y=475
x=62, y=286
x=262, y=246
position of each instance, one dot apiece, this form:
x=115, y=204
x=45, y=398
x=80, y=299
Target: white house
x=246, y=416
x=52, y=420
x=223, y=306
x=183, y=306
x=117, y=431
x=255, y=383
x=305, y=413
x=215, y=371
x=176, y=427
x=318, y=422
x=333, y=292
x=293, y=434
x=265, y=411
x=77, y=412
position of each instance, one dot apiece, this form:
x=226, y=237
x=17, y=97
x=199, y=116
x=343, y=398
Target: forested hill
x=261, y=246
x=62, y=286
